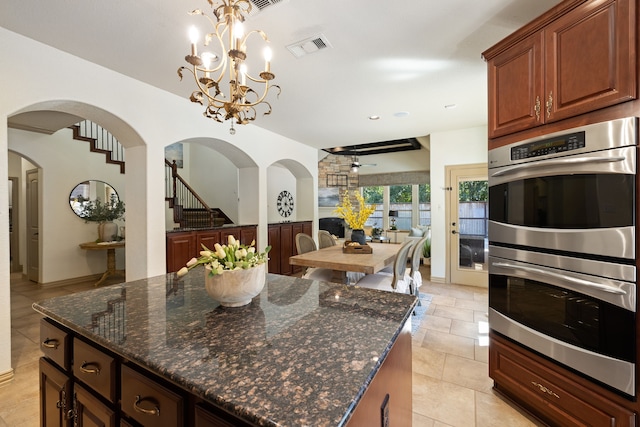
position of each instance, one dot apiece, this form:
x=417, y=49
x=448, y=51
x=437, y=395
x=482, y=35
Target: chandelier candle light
x=210, y=69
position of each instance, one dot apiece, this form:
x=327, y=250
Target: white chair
x=304, y=244
x=396, y=282
x=325, y=239
x=414, y=273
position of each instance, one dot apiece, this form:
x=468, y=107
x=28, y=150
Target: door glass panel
x=472, y=224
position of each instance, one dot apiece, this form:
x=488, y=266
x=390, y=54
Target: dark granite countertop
x=301, y=354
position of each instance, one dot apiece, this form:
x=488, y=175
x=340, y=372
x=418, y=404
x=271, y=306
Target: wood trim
x=6, y=377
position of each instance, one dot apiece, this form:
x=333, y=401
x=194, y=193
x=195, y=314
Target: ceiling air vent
x=258, y=6
x=310, y=45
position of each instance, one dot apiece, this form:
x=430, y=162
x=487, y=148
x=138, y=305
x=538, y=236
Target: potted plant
x=104, y=214
x=355, y=218
x=234, y=273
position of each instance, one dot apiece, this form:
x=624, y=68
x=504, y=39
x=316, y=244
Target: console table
x=110, y=247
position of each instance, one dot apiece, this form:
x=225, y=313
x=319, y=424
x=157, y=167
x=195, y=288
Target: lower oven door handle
x=560, y=162
x=575, y=280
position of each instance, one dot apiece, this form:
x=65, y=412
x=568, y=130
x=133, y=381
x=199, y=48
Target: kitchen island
x=302, y=353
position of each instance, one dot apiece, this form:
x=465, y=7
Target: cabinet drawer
x=55, y=344
x=148, y=402
x=94, y=368
x=551, y=395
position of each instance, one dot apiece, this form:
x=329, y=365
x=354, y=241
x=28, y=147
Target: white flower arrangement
x=232, y=256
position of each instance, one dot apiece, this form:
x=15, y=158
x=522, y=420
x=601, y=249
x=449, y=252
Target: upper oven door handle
x=565, y=277
x=558, y=162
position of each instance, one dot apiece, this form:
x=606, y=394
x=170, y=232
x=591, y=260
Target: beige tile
x=23, y=350
x=428, y=362
x=472, y=304
x=467, y=373
x=444, y=402
x=450, y=344
x=454, y=313
x=418, y=421
x=443, y=300
x=436, y=323
x=464, y=329
x=19, y=399
x=491, y=410
x=481, y=353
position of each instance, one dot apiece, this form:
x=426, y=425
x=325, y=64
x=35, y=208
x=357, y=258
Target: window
x=424, y=204
x=400, y=197
x=374, y=195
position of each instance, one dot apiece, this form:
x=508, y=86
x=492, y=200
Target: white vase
x=235, y=288
x=107, y=231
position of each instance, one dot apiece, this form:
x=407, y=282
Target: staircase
x=189, y=210
x=101, y=141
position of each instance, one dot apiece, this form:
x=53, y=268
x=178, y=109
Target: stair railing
x=101, y=140
x=189, y=210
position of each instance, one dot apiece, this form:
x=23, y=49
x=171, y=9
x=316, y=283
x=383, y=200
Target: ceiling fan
x=356, y=165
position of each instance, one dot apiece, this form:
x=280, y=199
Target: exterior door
x=33, y=232
x=468, y=219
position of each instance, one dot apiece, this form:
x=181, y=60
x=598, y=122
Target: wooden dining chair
x=414, y=273
x=325, y=239
x=304, y=244
x=396, y=282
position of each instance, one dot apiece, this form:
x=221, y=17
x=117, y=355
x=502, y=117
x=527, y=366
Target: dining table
x=334, y=258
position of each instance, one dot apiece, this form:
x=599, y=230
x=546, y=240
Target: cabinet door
x=516, y=87
x=56, y=401
x=276, y=248
x=295, y=229
x=207, y=238
x=90, y=411
x=590, y=61
x=287, y=248
x=248, y=235
x=181, y=247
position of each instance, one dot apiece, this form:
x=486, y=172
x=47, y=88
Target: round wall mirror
x=90, y=191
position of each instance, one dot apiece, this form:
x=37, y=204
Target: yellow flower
x=354, y=218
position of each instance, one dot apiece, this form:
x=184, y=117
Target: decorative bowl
x=235, y=288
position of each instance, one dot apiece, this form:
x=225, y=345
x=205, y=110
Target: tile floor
x=450, y=382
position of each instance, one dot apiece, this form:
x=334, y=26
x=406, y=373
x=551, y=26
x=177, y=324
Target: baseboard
x=72, y=281
x=6, y=377
x=437, y=279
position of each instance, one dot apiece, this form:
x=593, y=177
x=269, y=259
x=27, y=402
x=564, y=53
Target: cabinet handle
x=545, y=389
x=549, y=104
x=138, y=408
x=536, y=108
x=85, y=370
x=51, y=343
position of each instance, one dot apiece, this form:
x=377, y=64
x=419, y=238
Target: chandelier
x=222, y=78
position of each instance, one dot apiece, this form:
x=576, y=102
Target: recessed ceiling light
x=374, y=117
x=450, y=106
x=401, y=114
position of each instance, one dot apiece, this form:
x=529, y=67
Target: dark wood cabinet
x=184, y=245
x=282, y=238
x=56, y=398
x=89, y=411
x=562, y=66
x=554, y=394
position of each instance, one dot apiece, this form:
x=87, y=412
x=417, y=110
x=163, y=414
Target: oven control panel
x=557, y=144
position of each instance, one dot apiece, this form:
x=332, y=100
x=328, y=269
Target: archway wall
x=34, y=76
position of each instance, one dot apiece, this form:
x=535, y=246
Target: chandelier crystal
x=222, y=79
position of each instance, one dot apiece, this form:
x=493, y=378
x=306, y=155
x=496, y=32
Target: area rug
x=419, y=312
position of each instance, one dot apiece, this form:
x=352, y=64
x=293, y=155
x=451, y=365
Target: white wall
x=145, y=120
x=459, y=147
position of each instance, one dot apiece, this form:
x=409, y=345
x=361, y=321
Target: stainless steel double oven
x=562, y=248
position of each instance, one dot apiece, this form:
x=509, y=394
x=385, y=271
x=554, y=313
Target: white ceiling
x=388, y=57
